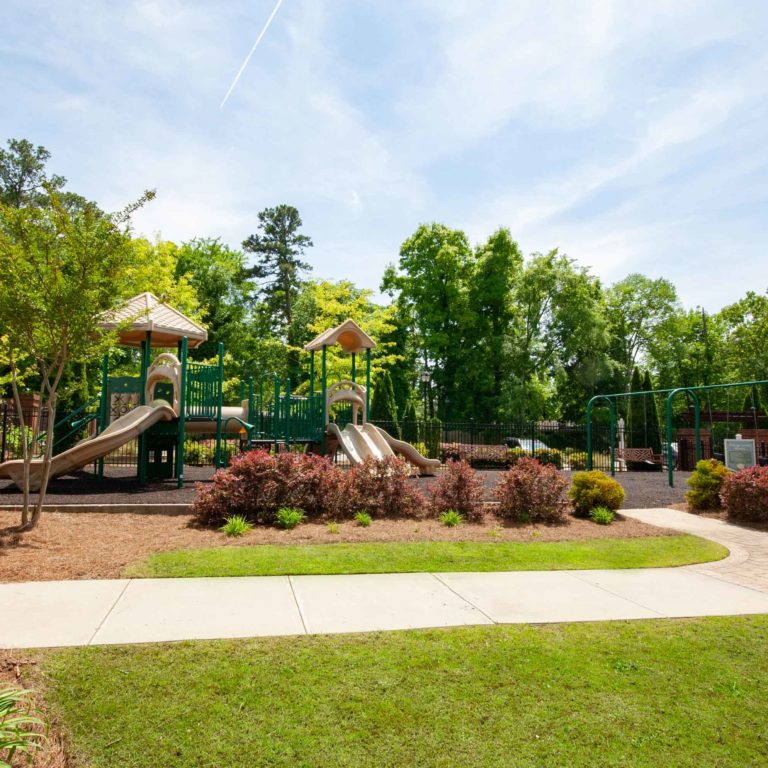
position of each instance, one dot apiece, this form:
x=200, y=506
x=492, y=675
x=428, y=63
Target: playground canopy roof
x=349, y=335
x=144, y=314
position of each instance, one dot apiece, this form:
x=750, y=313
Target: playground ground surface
x=644, y=490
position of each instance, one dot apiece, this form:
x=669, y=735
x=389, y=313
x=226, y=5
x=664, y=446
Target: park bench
x=639, y=455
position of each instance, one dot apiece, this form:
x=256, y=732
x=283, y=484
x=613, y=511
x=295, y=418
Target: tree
x=636, y=413
x=432, y=287
x=652, y=413
x=636, y=308
x=746, y=329
x=66, y=269
x=153, y=267
x=410, y=426
x=216, y=273
x=322, y=305
x=25, y=182
x=494, y=282
x=383, y=406
x=559, y=341
x=278, y=268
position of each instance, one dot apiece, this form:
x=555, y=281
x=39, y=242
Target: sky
x=633, y=136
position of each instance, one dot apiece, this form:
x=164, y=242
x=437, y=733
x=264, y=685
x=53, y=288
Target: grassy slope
x=645, y=693
x=272, y=560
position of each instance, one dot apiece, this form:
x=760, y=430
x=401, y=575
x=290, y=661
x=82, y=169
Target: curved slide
x=369, y=441
x=119, y=432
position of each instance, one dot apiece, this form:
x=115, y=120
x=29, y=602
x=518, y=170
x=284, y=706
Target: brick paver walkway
x=747, y=564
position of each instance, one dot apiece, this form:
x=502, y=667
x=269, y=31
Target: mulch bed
x=119, y=486
x=95, y=545
x=20, y=669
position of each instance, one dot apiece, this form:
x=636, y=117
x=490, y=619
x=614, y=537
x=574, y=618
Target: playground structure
x=702, y=439
x=174, y=397
x=351, y=432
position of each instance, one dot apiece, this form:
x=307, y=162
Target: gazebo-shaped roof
x=349, y=336
x=146, y=313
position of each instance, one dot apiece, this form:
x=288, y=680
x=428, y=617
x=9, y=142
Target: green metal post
x=668, y=431
x=146, y=351
x=311, y=388
x=219, y=403
x=276, y=413
x=251, y=404
x=103, y=405
x=612, y=411
x=367, y=383
x=182, y=413
x=323, y=386
x=287, y=412
x=354, y=366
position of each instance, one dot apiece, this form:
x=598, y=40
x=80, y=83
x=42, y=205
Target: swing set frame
x=692, y=392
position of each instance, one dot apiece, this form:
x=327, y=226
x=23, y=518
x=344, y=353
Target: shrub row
x=499, y=456
x=258, y=484
x=743, y=495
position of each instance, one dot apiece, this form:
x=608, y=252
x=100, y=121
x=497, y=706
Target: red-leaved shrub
x=384, y=488
x=532, y=492
x=459, y=488
x=745, y=494
x=257, y=484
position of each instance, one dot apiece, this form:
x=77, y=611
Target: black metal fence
x=485, y=446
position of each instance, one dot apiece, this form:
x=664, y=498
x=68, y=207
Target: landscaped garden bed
x=101, y=545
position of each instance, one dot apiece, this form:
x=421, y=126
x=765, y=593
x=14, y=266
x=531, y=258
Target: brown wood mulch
x=92, y=545
x=721, y=514
x=20, y=670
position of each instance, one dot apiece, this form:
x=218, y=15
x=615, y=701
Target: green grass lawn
x=630, y=694
x=409, y=557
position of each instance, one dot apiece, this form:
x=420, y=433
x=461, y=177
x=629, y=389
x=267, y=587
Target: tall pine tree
x=278, y=270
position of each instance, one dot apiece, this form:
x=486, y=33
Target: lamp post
x=426, y=377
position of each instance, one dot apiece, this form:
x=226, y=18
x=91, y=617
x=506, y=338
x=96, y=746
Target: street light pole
x=426, y=376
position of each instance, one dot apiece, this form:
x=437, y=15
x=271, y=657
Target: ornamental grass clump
x=20, y=730
x=744, y=495
x=706, y=482
x=451, y=518
x=236, y=525
x=532, y=492
x=363, y=519
x=601, y=516
x=289, y=517
x=594, y=489
x=458, y=488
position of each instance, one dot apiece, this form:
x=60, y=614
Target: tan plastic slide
x=119, y=432
x=369, y=441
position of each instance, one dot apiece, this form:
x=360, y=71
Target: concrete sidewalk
x=44, y=614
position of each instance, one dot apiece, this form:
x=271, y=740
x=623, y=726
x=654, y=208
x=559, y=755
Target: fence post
x=5, y=432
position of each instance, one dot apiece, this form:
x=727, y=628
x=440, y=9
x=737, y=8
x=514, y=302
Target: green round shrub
x=706, y=482
x=594, y=489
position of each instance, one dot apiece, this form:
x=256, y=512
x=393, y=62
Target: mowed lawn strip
x=644, y=693
x=429, y=556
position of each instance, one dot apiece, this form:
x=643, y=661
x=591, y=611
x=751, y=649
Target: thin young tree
x=63, y=271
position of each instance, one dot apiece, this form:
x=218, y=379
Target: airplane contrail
x=250, y=53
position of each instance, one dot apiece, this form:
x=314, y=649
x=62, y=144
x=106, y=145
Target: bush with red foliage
x=744, y=494
x=532, y=492
x=257, y=484
x=459, y=488
x=383, y=489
